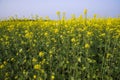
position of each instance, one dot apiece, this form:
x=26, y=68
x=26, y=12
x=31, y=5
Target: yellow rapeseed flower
x=6, y=74
x=41, y=54
x=46, y=34
x=56, y=30
x=109, y=55
x=25, y=72
x=43, y=61
x=34, y=76
x=52, y=77
x=109, y=22
x=79, y=59
x=89, y=33
x=34, y=60
x=95, y=15
x=73, y=40
x=85, y=11
x=10, y=28
x=102, y=35
x=37, y=66
x=20, y=50
x=87, y=46
x=1, y=66
x=5, y=62
x=28, y=35
x=58, y=13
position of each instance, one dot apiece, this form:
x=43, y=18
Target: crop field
x=65, y=49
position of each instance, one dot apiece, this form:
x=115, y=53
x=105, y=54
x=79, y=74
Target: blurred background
x=43, y=8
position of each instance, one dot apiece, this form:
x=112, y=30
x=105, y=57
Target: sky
x=43, y=8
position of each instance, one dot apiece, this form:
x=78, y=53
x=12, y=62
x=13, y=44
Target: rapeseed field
x=65, y=49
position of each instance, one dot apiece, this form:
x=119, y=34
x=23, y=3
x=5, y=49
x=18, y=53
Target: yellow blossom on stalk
x=41, y=54
x=56, y=30
x=66, y=26
x=6, y=74
x=5, y=62
x=73, y=40
x=20, y=50
x=102, y=35
x=40, y=78
x=95, y=15
x=87, y=46
x=58, y=13
x=89, y=33
x=19, y=35
x=1, y=66
x=47, y=18
x=61, y=36
x=10, y=28
x=34, y=76
x=109, y=22
x=1, y=39
x=79, y=59
x=37, y=66
x=34, y=60
x=28, y=34
x=6, y=37
x=50, y=51
x=43, y=61
x=109, y=55
x=85, y=11
x=35, y=40
x=52, y=76
x=67, y=62
x=46, y=34
x=26, y=31
x=25, y=72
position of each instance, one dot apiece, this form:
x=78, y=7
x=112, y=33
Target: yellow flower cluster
x=87, y=46
x=41, y=54
x=37, y=66
x=28, y=34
